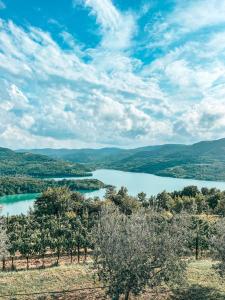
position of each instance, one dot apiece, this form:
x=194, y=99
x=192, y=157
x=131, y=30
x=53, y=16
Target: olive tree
x=136, y=251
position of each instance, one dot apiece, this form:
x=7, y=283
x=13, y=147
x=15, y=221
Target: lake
x=135, y=183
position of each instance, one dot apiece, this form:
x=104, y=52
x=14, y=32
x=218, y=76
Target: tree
x=26, y=238
x=132, y=252
x=54, y=201
x=220, y=209
x=110, y=192
x=13, y=233
x=164, y=201
x=201, y=230
x=71, y=229
x=218, y=246
x=213, y=200
x=142, y=197
x=190, y=191
x=3, y=244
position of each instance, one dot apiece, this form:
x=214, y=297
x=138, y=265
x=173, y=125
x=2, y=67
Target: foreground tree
x=136, y=251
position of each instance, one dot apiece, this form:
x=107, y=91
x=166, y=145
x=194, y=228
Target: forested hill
x=203, y=160
x=13, y=163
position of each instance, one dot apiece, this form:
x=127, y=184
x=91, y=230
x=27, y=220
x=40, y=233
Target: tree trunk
x=197, y=246
x=85, y=254
x=27, y=262
x=12, y=263
x=43, y=261
x=201, y=252
x=71, y=256
x=78, y=253
x=127, y=295
x=3, y=264
x=58, y=254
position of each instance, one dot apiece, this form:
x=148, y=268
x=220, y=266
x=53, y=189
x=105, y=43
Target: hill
x=203, y=160
x=36, y=165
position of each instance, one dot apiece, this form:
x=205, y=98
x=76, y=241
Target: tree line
x=10, y=185
x=137, y=242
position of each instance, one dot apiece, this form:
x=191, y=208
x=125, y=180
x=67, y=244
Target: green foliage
x=137, y=241
x=191, y=200
x=4, y=244
x=127, y=204
x=136, y=251
x=218, y=246
x=54, y=201
x=24, y=185
x=60, y=223
x=12, y=163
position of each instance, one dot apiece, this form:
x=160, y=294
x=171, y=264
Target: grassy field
x=203, y=283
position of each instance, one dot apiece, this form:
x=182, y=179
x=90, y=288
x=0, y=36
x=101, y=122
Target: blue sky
x=127, y=73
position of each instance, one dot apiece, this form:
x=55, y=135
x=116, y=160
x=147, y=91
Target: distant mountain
x=203, y=160
x=77, y=155
x=13, y=163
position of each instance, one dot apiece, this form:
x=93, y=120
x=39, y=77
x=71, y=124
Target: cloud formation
x=54, y=96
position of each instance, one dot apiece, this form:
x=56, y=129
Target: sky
x=97, y=73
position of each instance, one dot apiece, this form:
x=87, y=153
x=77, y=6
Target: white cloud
x=57, y=96
x=53, y=97
x=106, y=13
x=187, y=17
x=194, y=15
x=117, y=28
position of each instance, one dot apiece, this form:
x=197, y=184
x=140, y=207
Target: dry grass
x=60, y=278
x=203, y=283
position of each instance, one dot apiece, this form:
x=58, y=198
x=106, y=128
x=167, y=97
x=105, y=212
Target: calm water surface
x=135, y=183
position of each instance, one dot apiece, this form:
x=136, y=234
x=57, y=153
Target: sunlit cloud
x=57, y=91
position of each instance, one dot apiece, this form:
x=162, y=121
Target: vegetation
x=219, y=246
x=132, y=252
x=137, y=243
x=204, y=160
x=23, y=185
x=12, y=163
x=3, y=244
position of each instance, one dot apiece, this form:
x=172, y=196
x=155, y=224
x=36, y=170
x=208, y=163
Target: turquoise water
x=135, y=182
x=16, y=204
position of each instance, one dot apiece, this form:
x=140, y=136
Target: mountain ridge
x=201, y=160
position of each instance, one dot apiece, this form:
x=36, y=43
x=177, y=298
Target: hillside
x=36, y=165
x=203, y=160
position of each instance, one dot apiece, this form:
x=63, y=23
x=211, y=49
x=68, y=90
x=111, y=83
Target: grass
x=202, y=283
x=60, y=278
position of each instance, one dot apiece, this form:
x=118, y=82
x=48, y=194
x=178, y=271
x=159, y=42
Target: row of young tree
x=136, y=241
x=60, y=223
